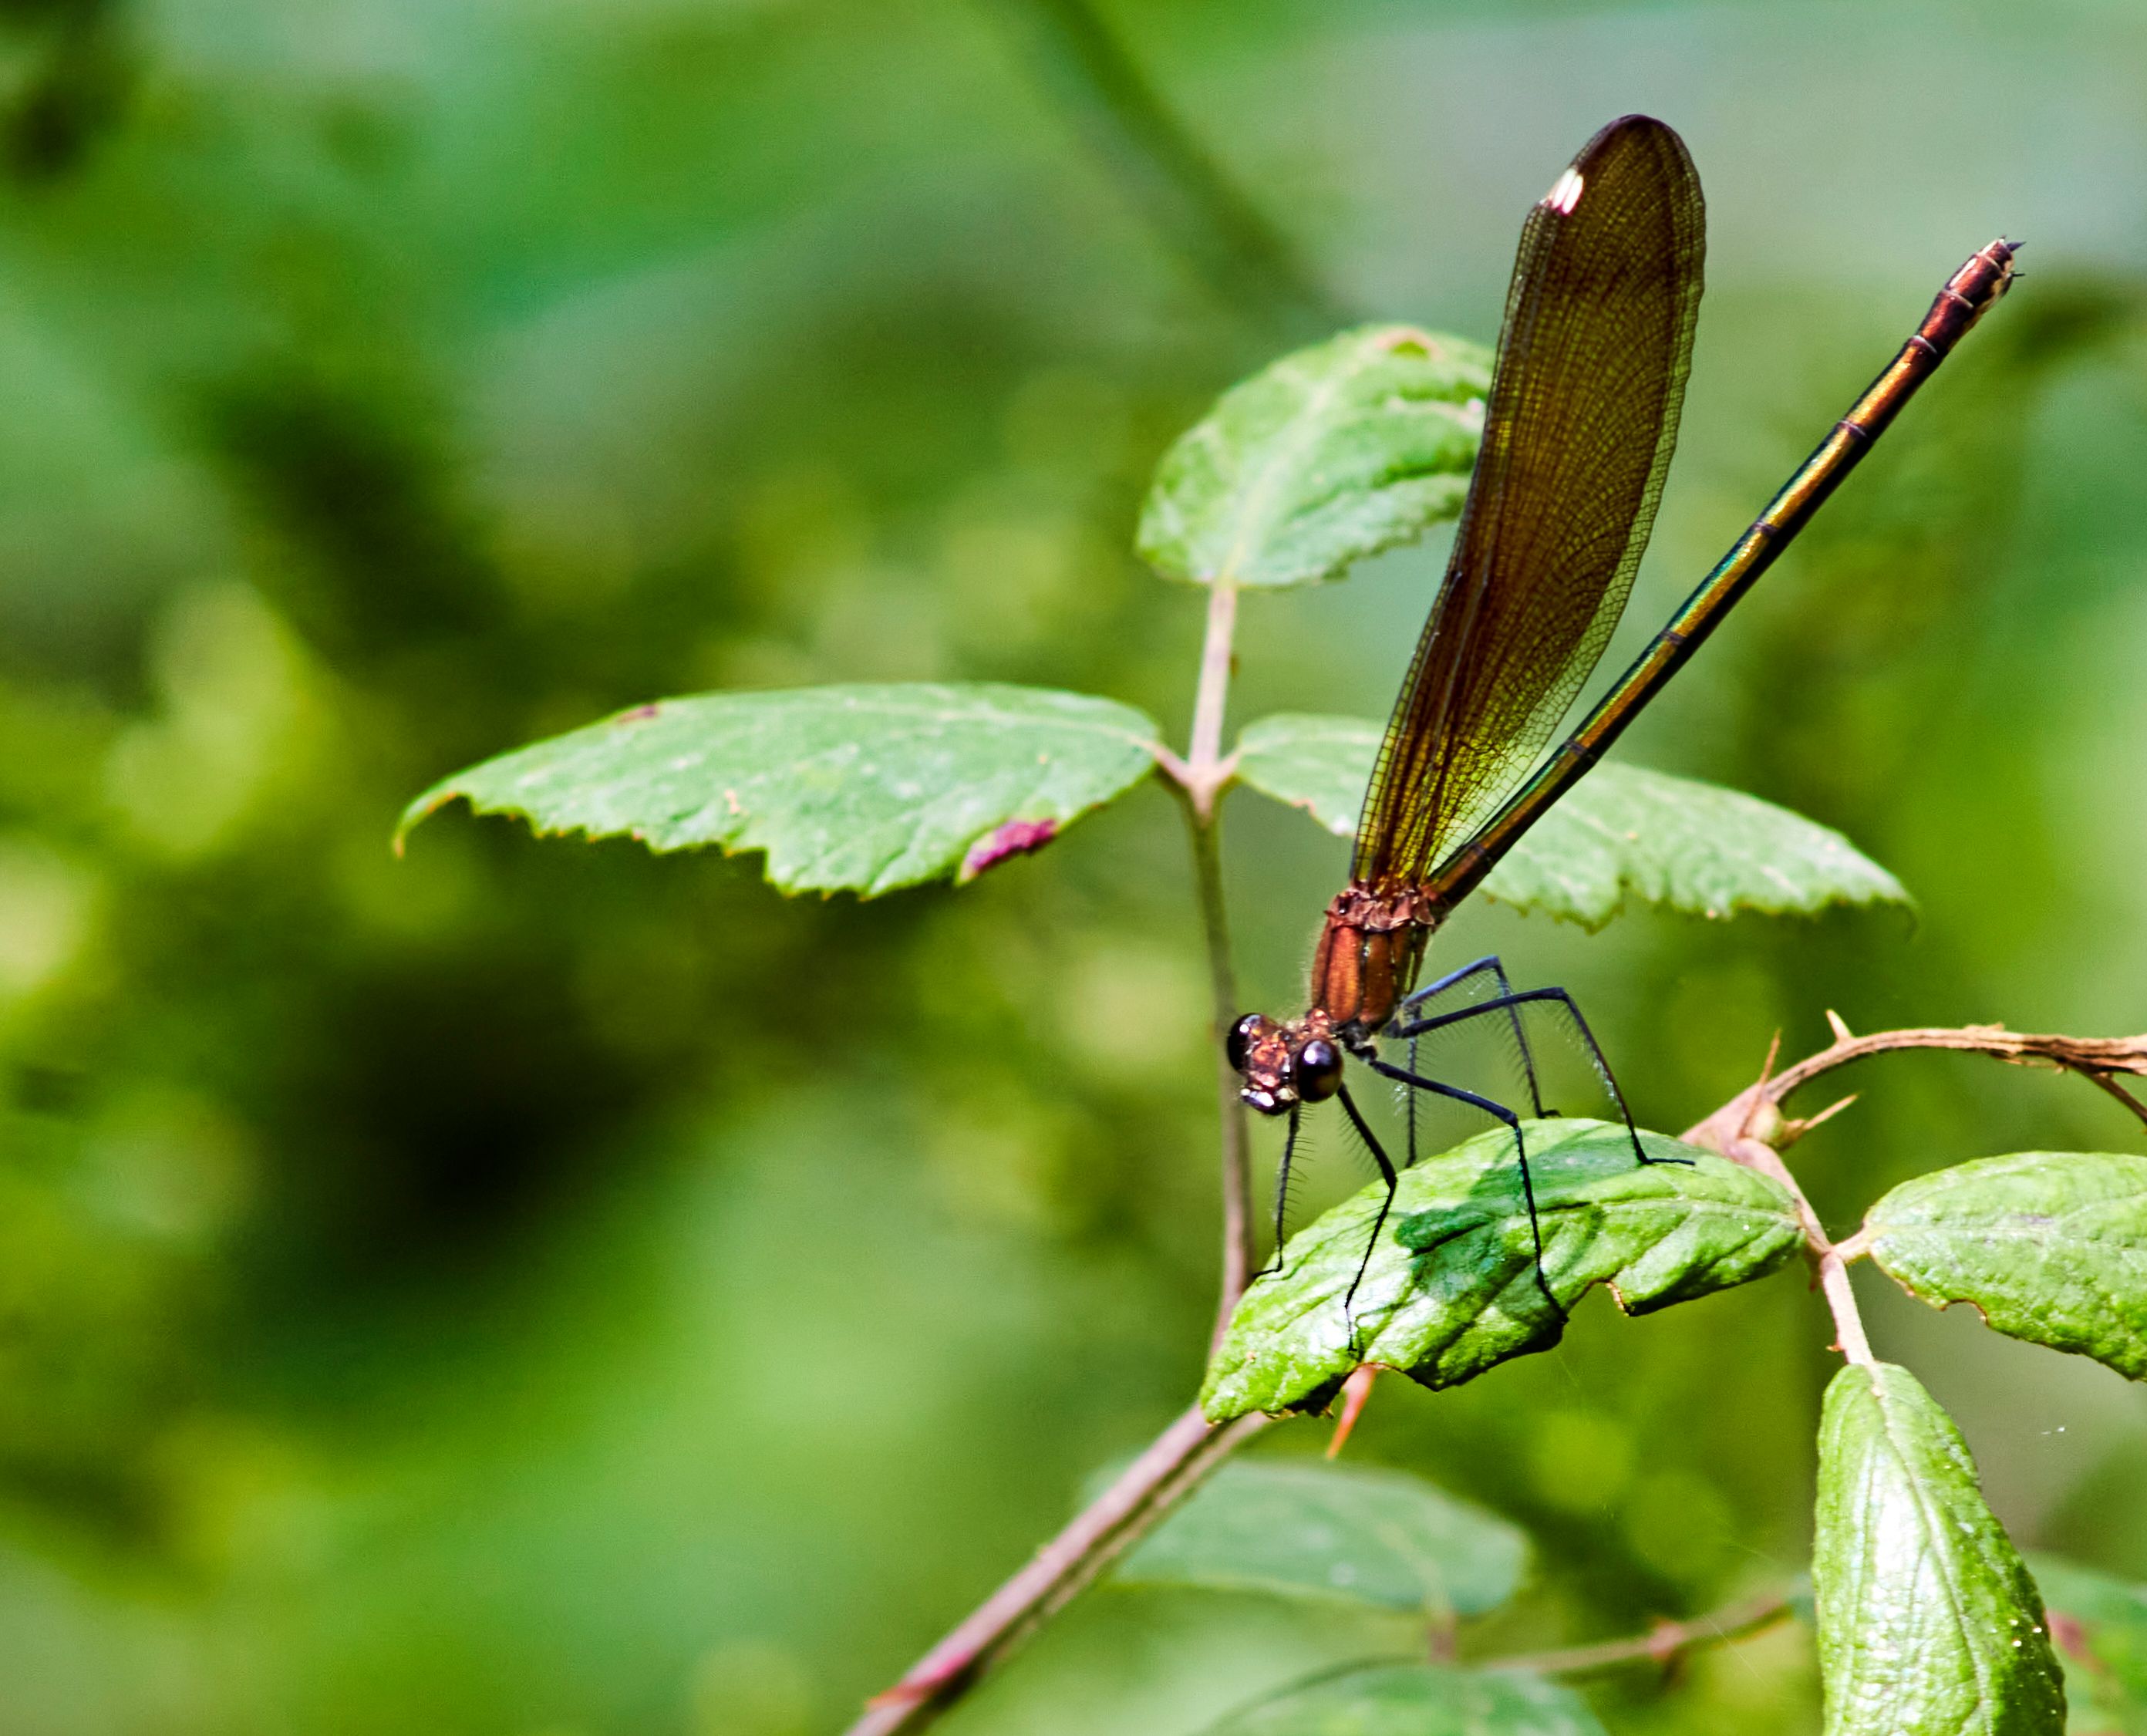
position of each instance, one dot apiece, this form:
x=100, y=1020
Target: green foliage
x=848, y=788
x=458, y=1252
x=1328, y=456
x=1453, y=1289
x=1322, y=765
x=2099, y=1626
x=2050, y=1246
x=1620, y=834
x=1687, y=845
x=1329, y=1533
x=1377, y=1541
x=1928, y=1623
x=1417, y=1699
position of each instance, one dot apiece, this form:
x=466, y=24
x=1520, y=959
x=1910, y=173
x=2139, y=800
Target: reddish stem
x=1182, y=1455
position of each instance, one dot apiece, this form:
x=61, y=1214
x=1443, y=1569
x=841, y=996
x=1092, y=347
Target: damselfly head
x=1284, y=1065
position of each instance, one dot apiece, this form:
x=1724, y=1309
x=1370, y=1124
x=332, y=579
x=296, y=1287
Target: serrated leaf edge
x=448, y=791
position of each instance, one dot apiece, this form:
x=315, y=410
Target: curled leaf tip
x=1016, y=838
x=423, y=809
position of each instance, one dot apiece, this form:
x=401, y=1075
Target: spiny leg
x=1408, y=1105
x=1281, y=1195
x=1499, y=1112
x=1557, y=996
x=1454, y=979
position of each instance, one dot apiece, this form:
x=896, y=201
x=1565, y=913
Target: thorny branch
x=1750, y=1128
x=1755, y=1138
x=1199, y=780
x=2095, y=1058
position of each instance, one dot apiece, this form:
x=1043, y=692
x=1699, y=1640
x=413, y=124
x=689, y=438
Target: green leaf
x=1620, y=833
x=852, y=789
x=2099, y=1625
x=1451, y=1288
x=2050, y=1246
x=1334, y=1534
x=1928, y=1623
x=1417, y=1699
x=1319, y=765
x=1698, y=847
x=1328, y=456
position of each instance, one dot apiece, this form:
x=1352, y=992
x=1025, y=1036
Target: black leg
x=1409, y=1106
x=1454, y=979
x=1499, y=1112
x=1557, y=996
x=1281, y=1195
x=1386, y=1205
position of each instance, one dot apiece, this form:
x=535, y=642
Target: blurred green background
x=533, y=1288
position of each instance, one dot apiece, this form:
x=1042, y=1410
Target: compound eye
x=1240, y=1039
x=1318, y=1071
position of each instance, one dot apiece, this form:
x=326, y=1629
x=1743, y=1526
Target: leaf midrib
x=1934, y=1530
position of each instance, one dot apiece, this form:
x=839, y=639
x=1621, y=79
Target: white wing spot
x=1565, y=192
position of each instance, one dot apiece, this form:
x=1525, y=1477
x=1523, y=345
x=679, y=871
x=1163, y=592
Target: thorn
x=1788, y=1130
x=1356, y=1391
x=1842, y=1033
x=1765, y=1123
x=1767, y=1066
x=1824, y=1115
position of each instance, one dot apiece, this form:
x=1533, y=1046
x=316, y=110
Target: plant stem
x=1200, y=777
x=1206, y=770
x=1668, y=1641
x=2105, y=1083
x=1193, y=204
x=1181, y=1456
x=1237, y=1251
x=1848, y=1336
x=1741, y=1140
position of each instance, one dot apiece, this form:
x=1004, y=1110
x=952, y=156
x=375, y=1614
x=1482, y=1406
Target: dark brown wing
x=1577, y=436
